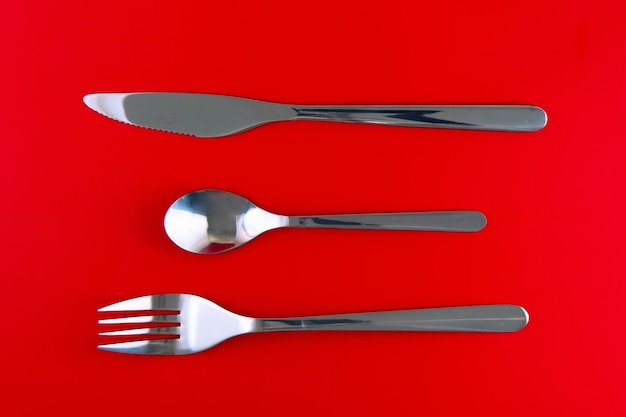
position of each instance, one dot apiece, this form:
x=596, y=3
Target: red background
x=83, y=198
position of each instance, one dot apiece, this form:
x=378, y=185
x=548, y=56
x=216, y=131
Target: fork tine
x=146, y=303
x=143, y=347
x=136, y=328
x=169, y=318
x=137, y=303
x=120, y=314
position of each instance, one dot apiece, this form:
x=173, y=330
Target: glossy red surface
x=83, y=198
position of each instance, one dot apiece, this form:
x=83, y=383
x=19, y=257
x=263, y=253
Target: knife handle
x=469, y=117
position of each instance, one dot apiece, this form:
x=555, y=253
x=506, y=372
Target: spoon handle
x=443, y=221
x=502, y=118
x=485, y=318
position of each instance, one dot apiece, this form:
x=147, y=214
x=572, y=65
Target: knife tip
x=109, y=104
x=90, y=100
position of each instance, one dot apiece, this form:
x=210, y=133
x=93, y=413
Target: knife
x=211, y=115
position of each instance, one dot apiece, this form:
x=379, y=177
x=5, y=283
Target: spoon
x=211, y=115
x=214, y=221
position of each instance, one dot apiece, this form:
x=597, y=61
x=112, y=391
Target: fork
x=181, y=324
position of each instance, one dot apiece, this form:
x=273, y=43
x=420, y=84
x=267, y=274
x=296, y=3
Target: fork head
x=167, y=324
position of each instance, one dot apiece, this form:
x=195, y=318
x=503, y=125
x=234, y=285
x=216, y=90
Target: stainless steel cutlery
x=181, y=324
x=213, y=221
x=210, y=115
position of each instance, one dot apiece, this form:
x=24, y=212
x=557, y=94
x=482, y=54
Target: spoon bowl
x=214, y=221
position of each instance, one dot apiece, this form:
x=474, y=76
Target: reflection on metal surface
x=213, y=221
x=197, y=324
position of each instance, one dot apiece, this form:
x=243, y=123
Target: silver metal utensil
x=213, y=221
x=181, y=324
x=210, y=115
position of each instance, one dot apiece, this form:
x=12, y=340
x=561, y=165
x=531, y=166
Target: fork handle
x=450, y=221
x=492, y=117
x=486, y=318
